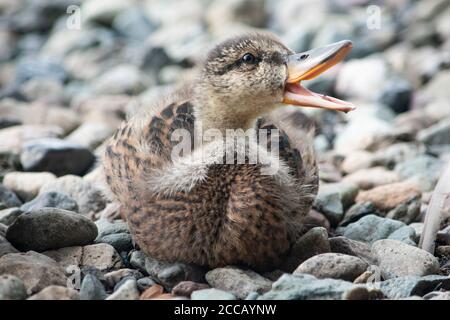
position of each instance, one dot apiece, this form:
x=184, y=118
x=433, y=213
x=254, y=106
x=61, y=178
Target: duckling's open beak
x=309, y=64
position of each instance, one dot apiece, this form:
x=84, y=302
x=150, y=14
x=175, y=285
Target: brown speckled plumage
x=233, y=214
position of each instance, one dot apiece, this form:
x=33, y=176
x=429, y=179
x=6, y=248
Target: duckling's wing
x=296, y=148
x=143, y=145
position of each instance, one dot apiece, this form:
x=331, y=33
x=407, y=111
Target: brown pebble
x=185, y=288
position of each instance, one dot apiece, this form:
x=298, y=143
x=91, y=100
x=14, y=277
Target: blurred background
x=71, y=70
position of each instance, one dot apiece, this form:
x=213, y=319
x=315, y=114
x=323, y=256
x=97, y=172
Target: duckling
x=197, y=208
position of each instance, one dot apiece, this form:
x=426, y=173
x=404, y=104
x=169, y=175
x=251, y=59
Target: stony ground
x=63, y=93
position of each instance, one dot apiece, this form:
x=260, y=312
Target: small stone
x=333, y=265
x=145, y=283
x=396, y=94
x=357, y=211
x=27, y=184
x=114, y=277
x=356, y=161
x=314, y=242
x=127, y=291
x=92, y=289
x=212, y=294
x=122, y=242
x=170, y=274
x=62, y=229
x=443, y=251
x=13, y=138
x=237, y=281
x=403, y=287
x=8, y=199
x=437, y=134
x=351, y=247
x=371, y=228
x=102, y=256
x=388, y=197
x=8, y=216
x=405, y=234
x=90, y=134
x=423, y=170
x=121, y=79
x=308, y=287
x=185, y=288
x=154, y=292
x=51, y=199
x=137, y=260
x=37, y=271
x=397, y=259
x=406, y=212
x=371, y=178
x=6, y=247
x=56, y=293
x=67, y=257
x=115, y=234
x=88, y=195
x=437, y=295
x=12, y=288
x=364, y=277
x=55, y=155
x=347, y=192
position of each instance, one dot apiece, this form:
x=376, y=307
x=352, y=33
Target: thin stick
x=435, y=209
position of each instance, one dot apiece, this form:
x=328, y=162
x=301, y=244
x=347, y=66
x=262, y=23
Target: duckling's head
x=247, y=76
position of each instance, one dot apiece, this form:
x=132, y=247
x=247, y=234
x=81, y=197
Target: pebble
x=13, y=138
x=347, y=246
x=127, y=291
x=389, y=196
x=405, y=234
x=212, y=294
x=27, y=184
x=357, y=211
x=8, y=216
x=314, y=242
x=88, y=195
x=92, y=289
x=56, y=293
x=371, y=228
x=407, y=286
x=114, y=277
x=145, y=283
x=308, y=287
x=37, y=271
x=56, y=156
x=51, y=199
x=90, y=134
x=67, y=257
x=6, y=247
x=370, y=178
x=12, y=288
x=406, y=212
x=102, y=256
x=237, y=281
x=422, y=170
x=437, y=134
x=115, y=234
x=62, y=229
x=333, y=265
x=8, y=199
x=397, y=259
x=186, y=288
x=357, y=160
x=170, y=274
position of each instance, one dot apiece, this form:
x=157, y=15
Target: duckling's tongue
x=298, y=95
x=308, y=65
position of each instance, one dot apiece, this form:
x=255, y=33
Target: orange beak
x=308, y=65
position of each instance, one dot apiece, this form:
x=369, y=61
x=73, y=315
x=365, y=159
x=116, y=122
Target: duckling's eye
x=248, y=58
